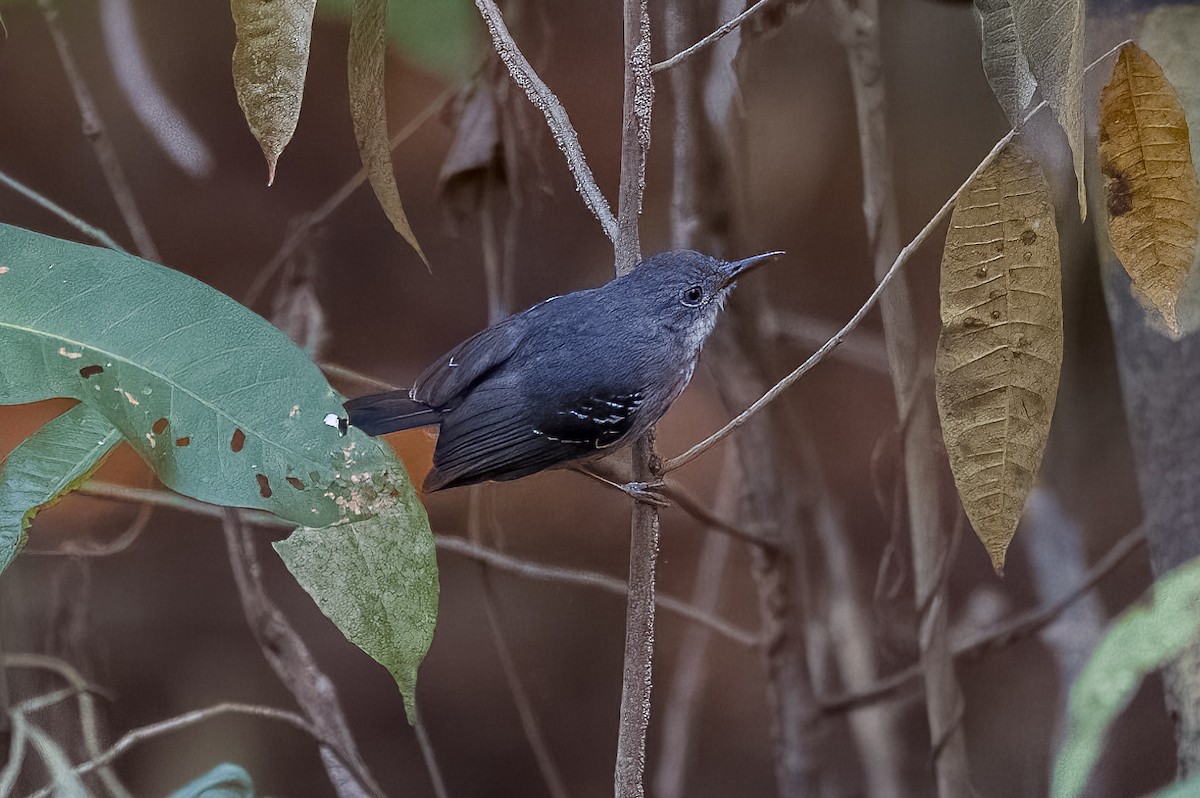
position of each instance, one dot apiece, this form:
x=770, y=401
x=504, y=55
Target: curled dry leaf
x=1000, y=350
x=1051, y=37
x=368, y=42
x=1151, y=193
x=270, y=61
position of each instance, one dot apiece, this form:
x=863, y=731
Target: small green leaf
x=368, y=42
x=270, y=61
x=223, y=781
x=46, y=466
x=375, y=578
x=218, y=402
x=1141, y=640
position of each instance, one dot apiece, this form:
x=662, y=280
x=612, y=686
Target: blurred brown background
x=159, y=625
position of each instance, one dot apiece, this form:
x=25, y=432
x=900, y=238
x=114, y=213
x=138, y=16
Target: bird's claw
x=648, y=492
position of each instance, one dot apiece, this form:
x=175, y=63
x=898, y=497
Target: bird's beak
x=740, y=268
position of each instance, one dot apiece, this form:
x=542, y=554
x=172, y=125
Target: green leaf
x=1142, y=639
x=368, y=39
x=223, y=781
x=270, y=61
x=1184, y=789
x=222, y=405
x=375, y=578
x=46, y=466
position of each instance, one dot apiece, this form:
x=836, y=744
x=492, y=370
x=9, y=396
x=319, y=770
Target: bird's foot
x=648, y=492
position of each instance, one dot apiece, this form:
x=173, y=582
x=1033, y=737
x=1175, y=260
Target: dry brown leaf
x=1000, y=351
x=1151, y=193
x=270, y=61
x=368, y=41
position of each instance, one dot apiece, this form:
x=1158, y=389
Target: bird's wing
x=447, y=381
x=485, y=440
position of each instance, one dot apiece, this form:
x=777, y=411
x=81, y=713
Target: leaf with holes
x=1000, y=350
x=270, y=62
x=46, y=466
x=368, y=42
x=1051, y=38
x=375, y=578
x=1151, y=192
x=222, y=405
x=1139, y=642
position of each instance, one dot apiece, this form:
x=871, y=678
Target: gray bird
x=567, y=380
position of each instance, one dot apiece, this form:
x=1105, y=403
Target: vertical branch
x=643, y=545
x=95, y=132
x=702, y=217
x=495, y=276
x=687, y=686
x=635, y=133
x=858, y=28
x=293, y=663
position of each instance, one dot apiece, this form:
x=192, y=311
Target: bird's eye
x=692, y=296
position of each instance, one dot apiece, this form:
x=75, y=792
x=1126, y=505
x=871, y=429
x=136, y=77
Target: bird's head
x=688, y=289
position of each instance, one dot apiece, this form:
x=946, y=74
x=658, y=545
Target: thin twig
x=592, y=579
x=117, y=545
x=91, y=231
x=431, y=764
x=902, y=258
x=88, y=720
x=711, y=38
x=350, y=375
x=96, y=134
x=865, y=348
x=499, y=560
x=293, y=663
x=304, y=225
x=187, y=720
x=545, y=101
x=1000, y=636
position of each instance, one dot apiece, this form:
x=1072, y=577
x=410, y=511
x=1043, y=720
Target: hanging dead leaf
x=1004, y=62
x=1000, y=351
x=270, y=61
x=1153, y=200
x=368, y=41
x=1051, y=38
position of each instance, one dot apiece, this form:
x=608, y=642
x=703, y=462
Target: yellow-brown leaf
x=1000, y=350
x=368, y=40
x=270, y=61
x=1151, y=193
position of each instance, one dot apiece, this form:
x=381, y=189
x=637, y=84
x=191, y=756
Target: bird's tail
x=380, y=413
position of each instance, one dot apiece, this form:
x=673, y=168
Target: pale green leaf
x=46, y=466
x=1183, y=789
x=270, y=61
x=1140, y=641
x=1051, y=37
x=375, y=578
x=368, y=42
x=1004, y=63
x=223, y=781
x=222, y=405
